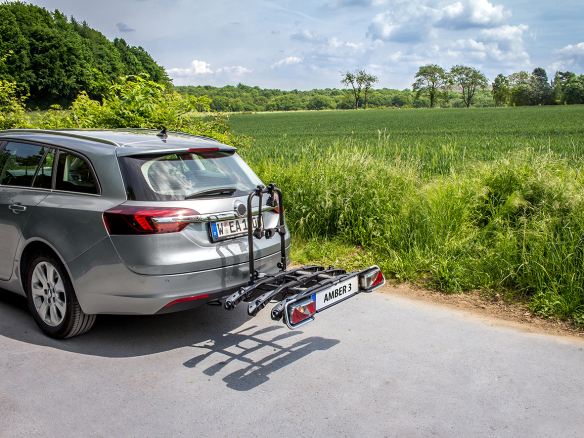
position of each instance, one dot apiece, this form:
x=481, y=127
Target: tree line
x=245, y=98
x=52, y=58
x=517, y=89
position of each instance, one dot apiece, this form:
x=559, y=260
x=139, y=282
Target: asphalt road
x=376, y=366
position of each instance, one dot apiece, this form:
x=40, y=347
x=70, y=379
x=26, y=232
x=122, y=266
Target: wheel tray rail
x=299, y=293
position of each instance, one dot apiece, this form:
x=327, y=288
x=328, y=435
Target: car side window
x=44, y=175
x=74, y=174
x=19, y=162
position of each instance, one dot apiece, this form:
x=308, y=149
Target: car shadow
x=231, y=345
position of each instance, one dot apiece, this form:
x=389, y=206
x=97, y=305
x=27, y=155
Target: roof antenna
x=162, y=134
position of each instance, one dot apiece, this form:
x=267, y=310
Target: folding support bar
x=260, y=232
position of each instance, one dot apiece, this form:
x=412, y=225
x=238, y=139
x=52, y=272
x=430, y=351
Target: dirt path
x=490, y=312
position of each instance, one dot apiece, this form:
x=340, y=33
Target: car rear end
x=183, y=230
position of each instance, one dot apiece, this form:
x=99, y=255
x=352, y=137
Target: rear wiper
x=212, y=192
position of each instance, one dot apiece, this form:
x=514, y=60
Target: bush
x=319, y=102
x=11, y=106
x=136, y=102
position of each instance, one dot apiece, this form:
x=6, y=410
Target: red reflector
x=181, y=300
x=195, y=151
x=302, y=311
x=378, y=279
x=146, y=220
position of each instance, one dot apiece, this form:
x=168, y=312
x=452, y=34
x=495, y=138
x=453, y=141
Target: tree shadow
x=255, y=353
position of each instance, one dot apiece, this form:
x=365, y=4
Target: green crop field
x=438, y=139
x=462, y=199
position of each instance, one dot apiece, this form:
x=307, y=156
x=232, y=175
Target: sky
x=305, y=44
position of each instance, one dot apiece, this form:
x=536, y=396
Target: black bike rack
x=285, y=285
x=289, y=287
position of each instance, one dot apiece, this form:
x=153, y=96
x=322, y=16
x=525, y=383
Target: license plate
x=336, y=293
x=230, y=229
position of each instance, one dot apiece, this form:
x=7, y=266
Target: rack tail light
x=372, y=279
x=301, y=312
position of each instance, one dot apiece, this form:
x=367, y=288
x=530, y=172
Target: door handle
x=17, y=208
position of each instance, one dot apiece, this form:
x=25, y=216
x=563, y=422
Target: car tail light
x=146, y=220
x=276, y=203
x=302, y=311
x=371, y=279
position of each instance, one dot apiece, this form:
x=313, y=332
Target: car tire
x=52, y=300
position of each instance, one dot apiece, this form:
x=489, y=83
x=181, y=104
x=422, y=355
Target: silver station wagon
x=125, y=222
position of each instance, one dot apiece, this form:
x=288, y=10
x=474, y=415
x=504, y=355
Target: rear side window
x=44, y=175
x=172, y=177
x=74, y=174
x=19, y=163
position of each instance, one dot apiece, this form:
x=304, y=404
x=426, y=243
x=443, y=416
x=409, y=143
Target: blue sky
x=304, y=44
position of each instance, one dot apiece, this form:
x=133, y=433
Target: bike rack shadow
x=211, y=330
x=255, y=353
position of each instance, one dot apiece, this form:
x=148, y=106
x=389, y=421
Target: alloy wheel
x=48, y=293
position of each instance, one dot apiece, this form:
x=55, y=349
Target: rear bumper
x=104, y=285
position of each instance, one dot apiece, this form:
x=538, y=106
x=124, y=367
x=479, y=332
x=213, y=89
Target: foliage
x=351, y=79
x=541, y=88
x=11, y=105
x=137, y=102
x=11, y=102
x=440, y=195
x=244, y=98
x=469, y=79
x=522, y=88
x=433, y=81
x=501, y=91
x=367, y=80
x=54, y=58
x=319, y=102
x=574, y=90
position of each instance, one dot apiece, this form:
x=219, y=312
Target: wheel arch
x=31, y=248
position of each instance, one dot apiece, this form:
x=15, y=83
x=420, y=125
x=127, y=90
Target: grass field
x=487, y=199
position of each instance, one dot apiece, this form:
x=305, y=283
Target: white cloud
x=239, y=70
x=502, y=45
x=569, y=57
x=473, y=13
x=404, y=23
x=308, y=36
x=508, y=38
x=570, y=50
x=414, y=21
x=291, y=60
x=199, y=69
x=196, y=68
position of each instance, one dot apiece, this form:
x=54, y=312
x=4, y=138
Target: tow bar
x=302, y=292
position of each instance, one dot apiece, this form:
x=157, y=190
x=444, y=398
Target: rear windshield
x=173, y=177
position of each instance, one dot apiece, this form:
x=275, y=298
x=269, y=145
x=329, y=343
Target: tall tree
x=350, y=79
x=559, y=82
x=521, y=91
x=574, y=90
x=469, y=79
x=433, y=81
x=541, y=88
x=367, y=80
x=501, y=90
